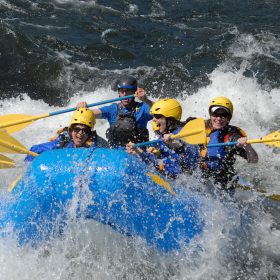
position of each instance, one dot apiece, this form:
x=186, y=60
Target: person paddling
x=170, y=157
x=218, y=162
x=79, y=134
x=127, y=119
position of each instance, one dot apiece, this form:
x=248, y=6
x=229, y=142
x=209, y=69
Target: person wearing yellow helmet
x=79, y=134
x=174, y=157
x=218, y=162
x=166, y=114
x=222, y=103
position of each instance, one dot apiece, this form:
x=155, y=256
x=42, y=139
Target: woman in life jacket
x=218, y=162
x=79, y=134
x=127, y=119
x=170, y=157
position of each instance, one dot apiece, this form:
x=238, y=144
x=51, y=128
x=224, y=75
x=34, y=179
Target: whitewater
x=55, y=53
x=89, y=250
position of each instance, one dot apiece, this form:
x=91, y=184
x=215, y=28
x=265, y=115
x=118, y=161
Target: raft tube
x=109, y=186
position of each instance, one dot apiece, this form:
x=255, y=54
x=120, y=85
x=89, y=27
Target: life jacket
x=65, y=139
x=125, y=128
x=223, y=157
x=175, y=161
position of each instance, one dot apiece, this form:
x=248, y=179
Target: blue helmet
x=128, y=82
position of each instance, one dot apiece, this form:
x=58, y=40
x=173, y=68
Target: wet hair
x=172, y=124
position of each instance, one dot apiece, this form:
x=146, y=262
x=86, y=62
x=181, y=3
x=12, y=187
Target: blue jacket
x=218, y=162
x=222, y=157
x=97, y=142
x=142, y=114
x=174, y=162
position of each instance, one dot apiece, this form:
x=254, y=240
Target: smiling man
x=79, y=134
x=172, y=157
x=127, y=119
x=218, y=162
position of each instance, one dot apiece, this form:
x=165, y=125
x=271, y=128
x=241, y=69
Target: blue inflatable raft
x=109, y=186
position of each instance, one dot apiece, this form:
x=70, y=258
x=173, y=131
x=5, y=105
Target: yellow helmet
x=223, y=102
x=169, y=108
x=83, y=116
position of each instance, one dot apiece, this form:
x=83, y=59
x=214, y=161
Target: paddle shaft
x=93, y=104
x=253, y=141
x=148, y=143
x=172, y=137
x=27, y=120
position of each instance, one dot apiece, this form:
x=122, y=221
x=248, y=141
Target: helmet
x=221, y=102
x=83, y=116
x=128, y=82
x=169, y=108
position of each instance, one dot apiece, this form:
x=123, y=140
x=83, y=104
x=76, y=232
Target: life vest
x=182, y=159
x=65, y=139
x=223, y=157
x=125, y=128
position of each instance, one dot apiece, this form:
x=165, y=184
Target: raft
x=108, y=186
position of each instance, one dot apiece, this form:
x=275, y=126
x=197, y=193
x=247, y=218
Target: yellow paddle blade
x=6, y=162
x=9, y=144
x=161, y=182
x=16, y=122
x=11, y=187
x=193, y=132
x=272, y=139
x=275, y=197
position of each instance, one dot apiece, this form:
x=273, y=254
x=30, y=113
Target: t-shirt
x=142, y=113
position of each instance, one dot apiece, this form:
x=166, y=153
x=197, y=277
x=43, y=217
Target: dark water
x=52, y=49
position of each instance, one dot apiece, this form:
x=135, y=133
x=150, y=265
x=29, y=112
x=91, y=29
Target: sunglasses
x=81, y=129
x=221, y=115
x=126, y=91
x=157, y=116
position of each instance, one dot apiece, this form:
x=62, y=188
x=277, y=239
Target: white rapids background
x=89, y=250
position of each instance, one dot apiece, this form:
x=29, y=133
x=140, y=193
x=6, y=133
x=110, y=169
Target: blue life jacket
x=223, y=157
x=175, y=162
x=63, y=140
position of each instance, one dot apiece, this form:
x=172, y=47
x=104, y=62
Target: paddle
x=11, y=187
x=9, y=144
x=275, y=197
x=272, y=139
x=15, y=122
x=192, y=133
x=6, y=162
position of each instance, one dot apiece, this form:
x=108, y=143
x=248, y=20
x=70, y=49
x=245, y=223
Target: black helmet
x=128, y=82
